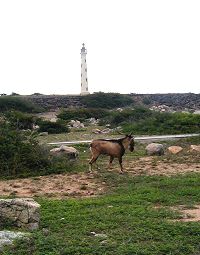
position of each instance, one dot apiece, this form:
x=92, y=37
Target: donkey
x=115, y=148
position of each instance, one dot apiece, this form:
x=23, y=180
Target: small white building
x=84, y=78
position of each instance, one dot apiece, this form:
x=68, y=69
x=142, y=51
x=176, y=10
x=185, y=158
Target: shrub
x=20, y=120
x=106, y=100
x=52, y=127
x=144, y=121
x=165, y=123
x=82, y=114
x=20, y=153
x=17, y=103
x=146, y=101
x=127, y=115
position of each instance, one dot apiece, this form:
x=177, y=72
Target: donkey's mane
x=119, y=140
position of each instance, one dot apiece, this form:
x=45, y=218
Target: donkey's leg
x=93, y=159
x=120, y=163
x=110, y=162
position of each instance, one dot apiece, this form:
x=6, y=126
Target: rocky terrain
x=53, y=102
x=176, y=101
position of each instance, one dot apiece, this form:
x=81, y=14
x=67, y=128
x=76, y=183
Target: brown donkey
x=115, y=148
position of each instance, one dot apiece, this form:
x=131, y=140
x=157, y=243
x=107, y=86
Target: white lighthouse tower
x=84, y=79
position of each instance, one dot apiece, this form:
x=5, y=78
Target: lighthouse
x=84, y=78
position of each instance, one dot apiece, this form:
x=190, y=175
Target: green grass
x=127, y=215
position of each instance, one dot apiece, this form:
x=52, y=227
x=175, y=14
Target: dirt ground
x=188, y=215
x=150, y=166
x=86, y=184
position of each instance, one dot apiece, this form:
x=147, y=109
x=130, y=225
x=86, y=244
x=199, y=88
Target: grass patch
x=126, y=216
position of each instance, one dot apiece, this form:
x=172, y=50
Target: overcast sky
x=134, y=46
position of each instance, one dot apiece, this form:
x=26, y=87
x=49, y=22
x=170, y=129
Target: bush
x=52, y=127
x=144, y=121
x=8, y=103
x=20, y=120
x=20, y=153
x=106, y=100
x=82, y=114
x=127, y=115
x=165, y=123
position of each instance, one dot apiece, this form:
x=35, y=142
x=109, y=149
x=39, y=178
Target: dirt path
x=57, y=186
x=85, y=184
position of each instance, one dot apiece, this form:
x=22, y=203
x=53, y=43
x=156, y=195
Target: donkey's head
x=128, y=142
x=131, y=142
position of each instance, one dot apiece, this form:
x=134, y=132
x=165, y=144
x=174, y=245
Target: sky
x=134, y=46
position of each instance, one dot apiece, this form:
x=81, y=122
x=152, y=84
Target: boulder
x=8, y=237
x=154, y=149
x=70, y=152
x=22, y=212
x=175, y=149
x=76, y=124
x=195, y=148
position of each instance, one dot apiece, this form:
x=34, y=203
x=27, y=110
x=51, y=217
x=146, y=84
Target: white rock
x=154, y=149
x=71, y=152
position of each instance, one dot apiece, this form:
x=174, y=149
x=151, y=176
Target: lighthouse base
x=85, y=93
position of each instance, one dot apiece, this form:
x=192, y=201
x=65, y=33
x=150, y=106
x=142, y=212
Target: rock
x=160, y=108
x=35, y=127
x=197, y=112
x=76, y=124
x=96, y=131
x=98, y=235
x=7, y=237
x=70, y=152
x=101, y=235
x=175, y=149
x=119, y=109
x=106, y=131
x=93, y=121
x=53, y=119
x=43, y=134
x=108, y=125
x=154, y=149
x=195, y=148
x=22, y=212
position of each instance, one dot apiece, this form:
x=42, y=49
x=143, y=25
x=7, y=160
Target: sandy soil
x=57, y=186
x=149, y=166
x=189, y=215
x=86, y=184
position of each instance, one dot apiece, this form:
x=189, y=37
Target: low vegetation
x=106, y=100
x=144, y=121
x=21, y=155
x=82, y=114
x=133, y=218
x=52, y=127
x=8, y=103
x=20, y=120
